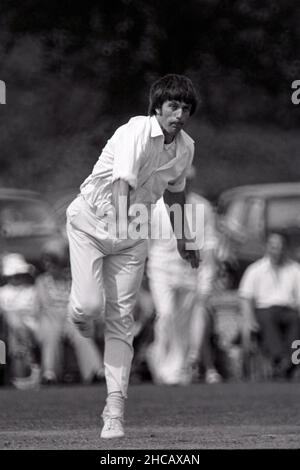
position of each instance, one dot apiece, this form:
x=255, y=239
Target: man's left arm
x=180, y=225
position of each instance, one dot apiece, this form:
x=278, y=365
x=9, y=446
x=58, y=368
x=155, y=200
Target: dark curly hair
x=172, y=87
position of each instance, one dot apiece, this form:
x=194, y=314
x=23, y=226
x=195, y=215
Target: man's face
x=276, y=249
x=172, y=117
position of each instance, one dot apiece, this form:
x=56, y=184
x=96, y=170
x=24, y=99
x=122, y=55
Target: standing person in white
x=146, y=158
x=180, y=297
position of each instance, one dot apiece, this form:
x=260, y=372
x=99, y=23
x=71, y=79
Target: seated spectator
x=18, y=303
x=270, y=301
x=53, y=289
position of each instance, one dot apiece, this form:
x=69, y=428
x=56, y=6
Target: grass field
x=224, y=416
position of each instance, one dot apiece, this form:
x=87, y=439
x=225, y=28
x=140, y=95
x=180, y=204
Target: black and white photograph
x=149, y=227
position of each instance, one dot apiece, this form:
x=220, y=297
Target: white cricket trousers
x=106, y=277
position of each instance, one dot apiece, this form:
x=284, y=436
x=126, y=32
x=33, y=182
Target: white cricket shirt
x=136, y=154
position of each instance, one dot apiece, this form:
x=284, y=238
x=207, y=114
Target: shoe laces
x=113, y=422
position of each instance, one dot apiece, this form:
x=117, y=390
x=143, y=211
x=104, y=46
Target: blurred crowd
x=190, y=324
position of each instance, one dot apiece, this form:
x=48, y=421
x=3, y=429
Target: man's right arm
x=128, y=149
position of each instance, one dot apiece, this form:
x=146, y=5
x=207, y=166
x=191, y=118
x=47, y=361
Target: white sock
x=115, y=404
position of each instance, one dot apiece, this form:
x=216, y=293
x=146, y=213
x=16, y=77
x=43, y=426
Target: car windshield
x=283, y=213
x=23, y=218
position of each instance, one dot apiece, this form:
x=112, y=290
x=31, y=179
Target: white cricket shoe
x=113, y=428
x=113, y=425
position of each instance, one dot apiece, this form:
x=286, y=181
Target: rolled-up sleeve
x=128, y=149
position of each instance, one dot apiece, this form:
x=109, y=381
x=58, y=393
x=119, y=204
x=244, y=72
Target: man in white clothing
x=181, y=330
x=145, y=159
x=270, y=302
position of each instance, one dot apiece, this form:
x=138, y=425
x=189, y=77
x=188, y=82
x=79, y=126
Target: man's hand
x=191, y=256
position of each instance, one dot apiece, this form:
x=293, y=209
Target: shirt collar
x=156, y=130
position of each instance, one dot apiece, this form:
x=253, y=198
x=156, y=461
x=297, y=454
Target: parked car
x=59, y=202
x=248, y=213
x=27, y=223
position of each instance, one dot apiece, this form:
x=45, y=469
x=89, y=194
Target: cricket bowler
x=145, y=159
